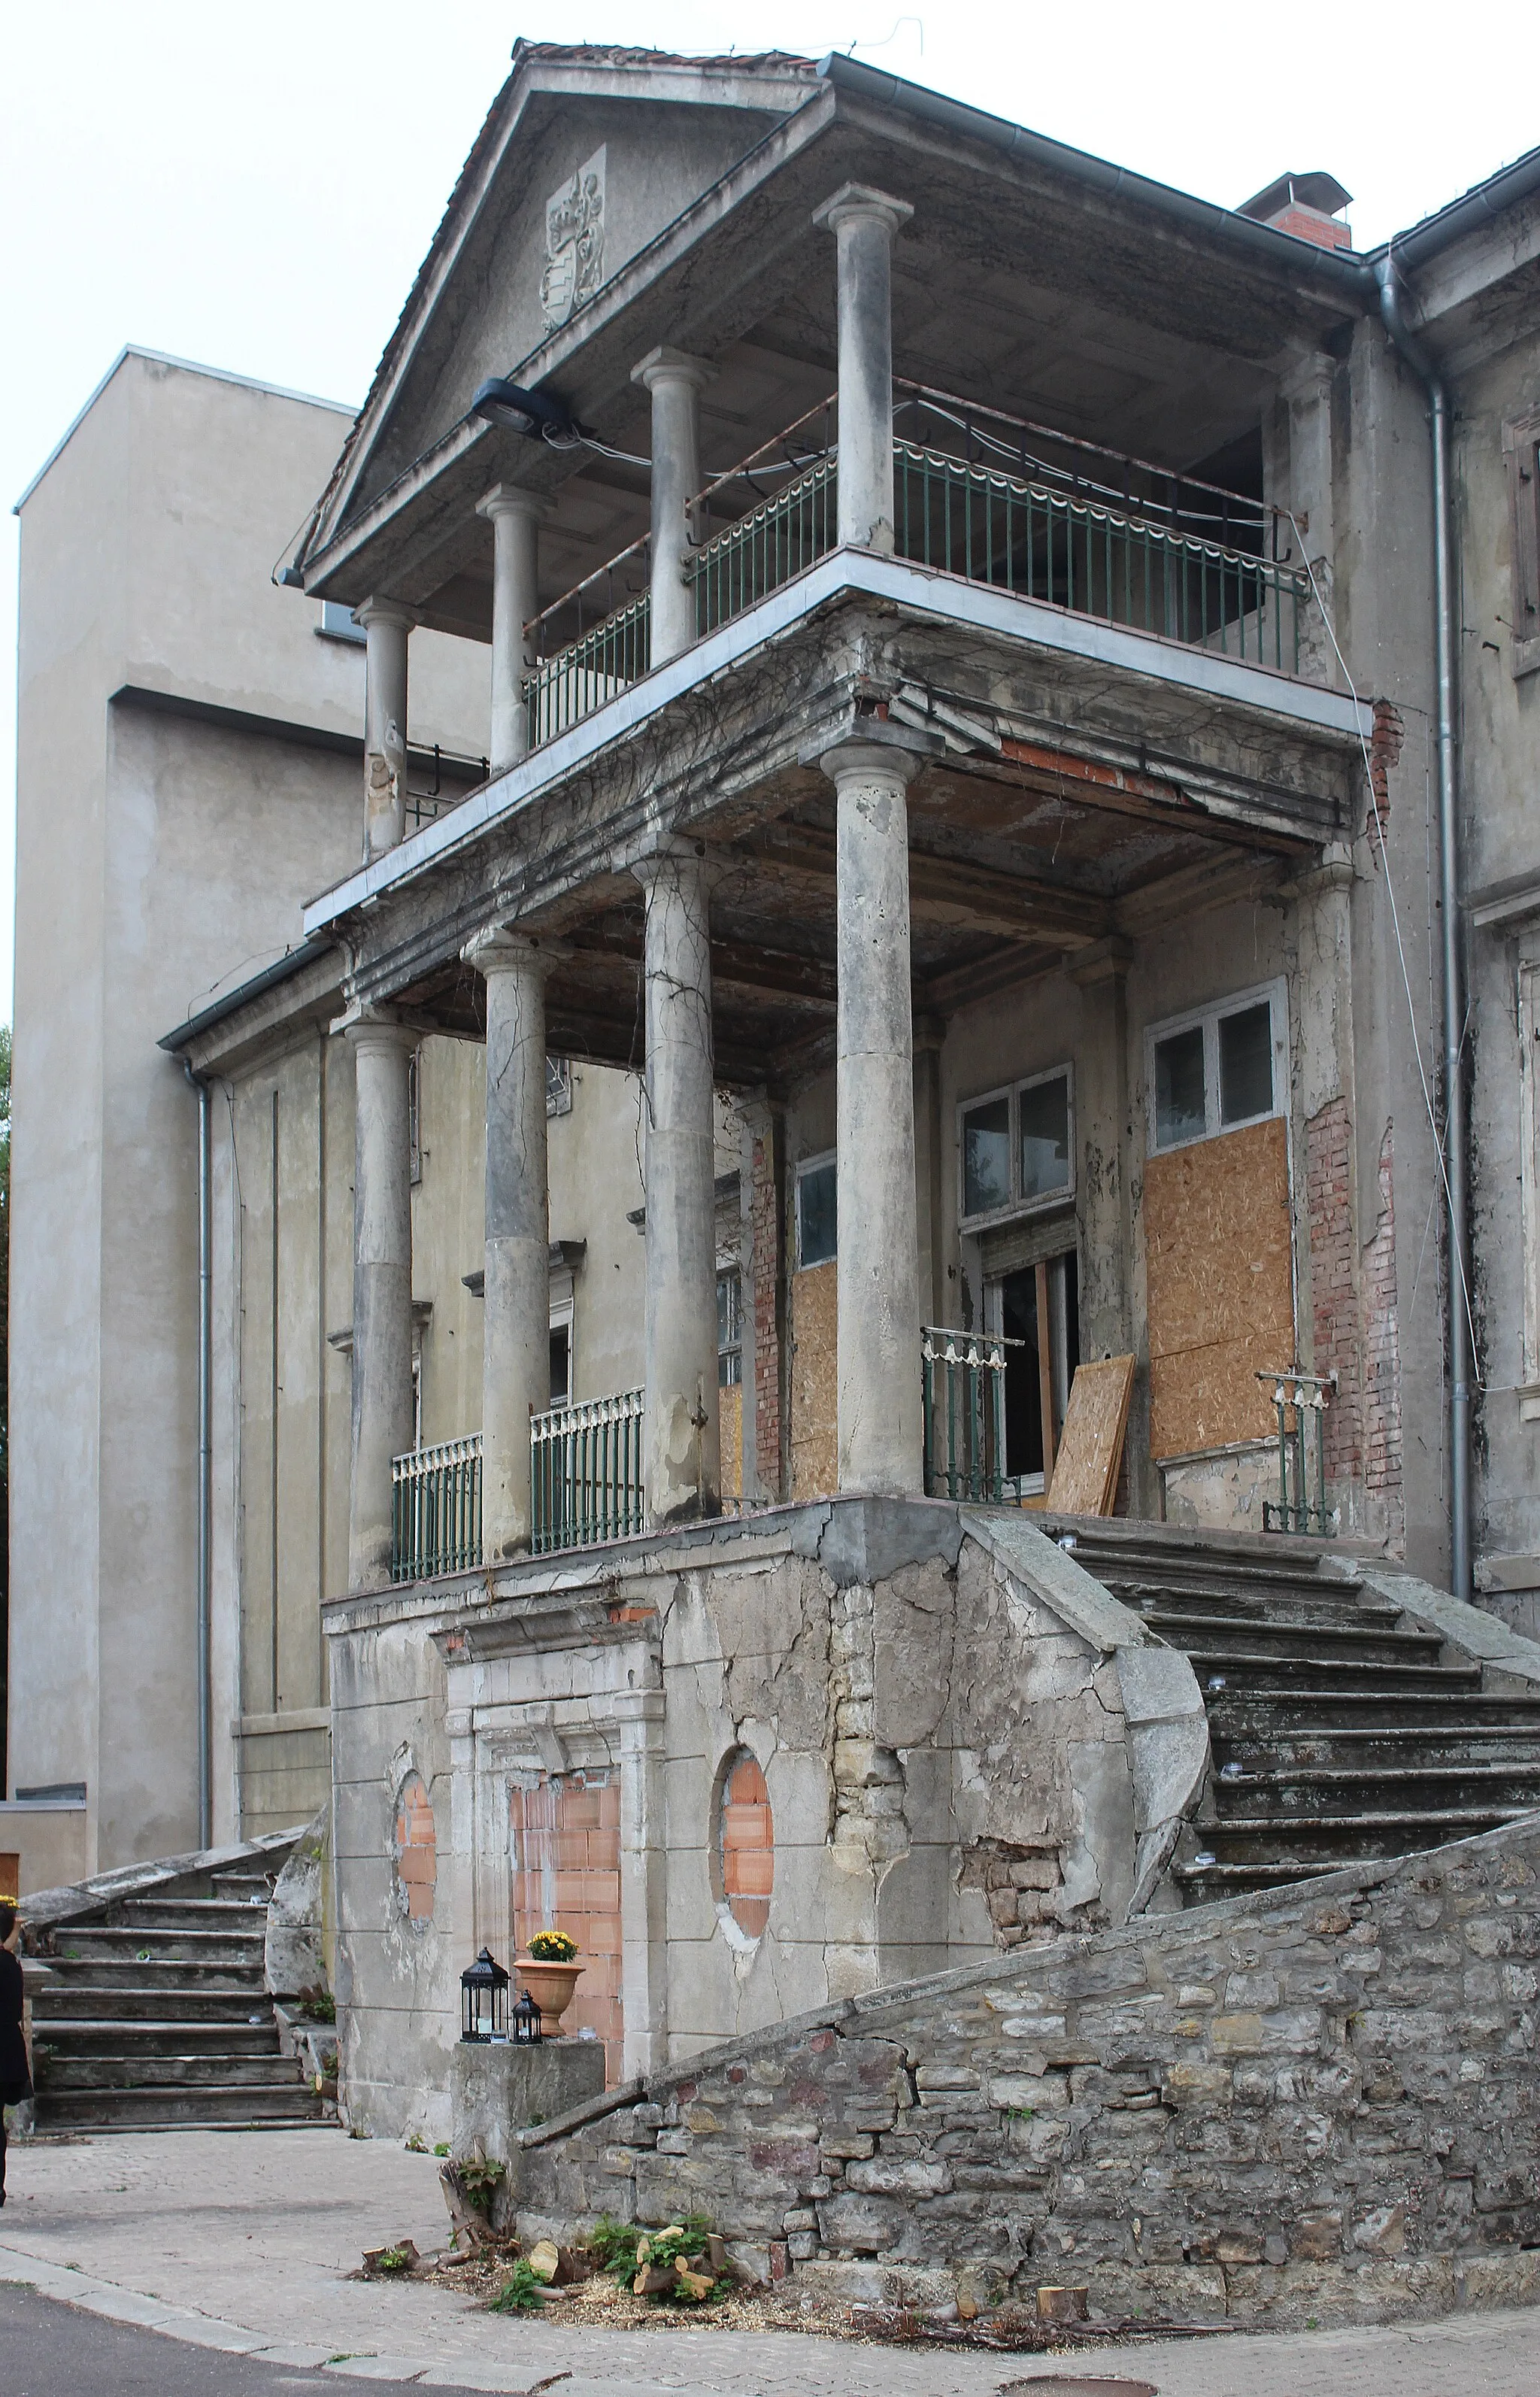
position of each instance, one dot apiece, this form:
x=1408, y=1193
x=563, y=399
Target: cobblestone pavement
x=239, y=2242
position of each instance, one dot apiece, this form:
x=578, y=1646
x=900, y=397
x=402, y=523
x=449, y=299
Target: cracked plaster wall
x=956, y=1727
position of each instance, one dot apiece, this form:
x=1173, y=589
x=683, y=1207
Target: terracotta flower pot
x=550, y=1986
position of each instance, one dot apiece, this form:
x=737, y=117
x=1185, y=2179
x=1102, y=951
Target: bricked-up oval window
x=746, y=1845
x=415, y=1845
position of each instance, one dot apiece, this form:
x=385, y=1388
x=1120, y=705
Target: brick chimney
x=1305, y=206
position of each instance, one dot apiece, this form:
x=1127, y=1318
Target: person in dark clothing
x=15, y=2080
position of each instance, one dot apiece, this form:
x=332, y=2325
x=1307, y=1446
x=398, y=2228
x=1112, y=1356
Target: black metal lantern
x=484, y=1999
x=527, y=2029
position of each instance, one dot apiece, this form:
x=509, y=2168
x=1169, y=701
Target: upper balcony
x=981, y=497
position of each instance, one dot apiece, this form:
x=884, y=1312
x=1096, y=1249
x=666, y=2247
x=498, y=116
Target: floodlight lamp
x=517, y=410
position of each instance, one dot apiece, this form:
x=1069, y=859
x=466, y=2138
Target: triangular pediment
x=586, y=156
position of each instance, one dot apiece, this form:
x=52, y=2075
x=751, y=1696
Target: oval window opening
x=415, y=1845
x=746, y=1837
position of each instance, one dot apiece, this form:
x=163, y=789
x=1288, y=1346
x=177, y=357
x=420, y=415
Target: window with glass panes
x=817, y=1227
x=730, y=1327
x=1017, y=1146
x=1221, y=1067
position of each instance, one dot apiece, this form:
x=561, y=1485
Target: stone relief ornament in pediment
x=574, y=243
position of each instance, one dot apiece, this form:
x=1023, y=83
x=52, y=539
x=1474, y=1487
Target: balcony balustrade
x=585, y=1462
x=963, y=1392
x=978, y=494
x=436, y=1510
x=585, y=1465
x=587, y=1472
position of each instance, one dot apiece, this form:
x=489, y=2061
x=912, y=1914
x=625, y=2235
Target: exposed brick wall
x=1317, y=2103
x=748, y=1846
x=415, y=1842
x=765, y=1298
x=1382, y=1400
x=1333, y=1295
x=566, y=1854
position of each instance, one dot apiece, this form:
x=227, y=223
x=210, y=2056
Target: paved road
x=224, y=2254
x=48, y=2350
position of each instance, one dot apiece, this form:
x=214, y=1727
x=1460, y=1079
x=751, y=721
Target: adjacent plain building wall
x=173, y=812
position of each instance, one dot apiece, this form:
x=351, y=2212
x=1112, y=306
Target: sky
x=255, y=189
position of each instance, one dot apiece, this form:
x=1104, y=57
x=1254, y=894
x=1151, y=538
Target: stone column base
x=499, y=2089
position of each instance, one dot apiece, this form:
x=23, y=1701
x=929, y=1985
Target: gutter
x=1457, y=1329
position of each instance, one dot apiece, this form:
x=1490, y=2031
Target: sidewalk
x=240, y=2241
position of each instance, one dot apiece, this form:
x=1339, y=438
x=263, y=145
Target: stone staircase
x=151, y=2013
x=1341, y=1727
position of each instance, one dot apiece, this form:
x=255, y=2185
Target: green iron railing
x=436, y=1510
x=774, y=543
x=587, y=1472
x=1301, y=1400
x=963, y=1393
x=986, y=526
x=582, y=659
x=993, y=500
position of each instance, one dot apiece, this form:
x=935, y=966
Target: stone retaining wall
x=1318, y=2105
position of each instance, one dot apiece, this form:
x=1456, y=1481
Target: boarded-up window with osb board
x=814, y=1316
x=731, y=1397
x=565, y=1845
x=1221, y=1303
x=415, y=1851
x=746, y=1845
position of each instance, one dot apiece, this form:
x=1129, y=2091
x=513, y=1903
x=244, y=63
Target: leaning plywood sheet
x=1221, y=1287
x=1091, y=1445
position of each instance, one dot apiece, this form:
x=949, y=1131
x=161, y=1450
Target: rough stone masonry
x=1317, y=2105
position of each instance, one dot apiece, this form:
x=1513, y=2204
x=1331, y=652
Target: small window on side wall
x=817, y=1213
x=1017, y=1147
x=1219, y=1069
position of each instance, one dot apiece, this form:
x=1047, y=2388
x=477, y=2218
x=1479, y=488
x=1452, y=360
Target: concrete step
x=1258, y=1708
x=144, y=1944
x=1327, y=1839
x=1240, y=1668
x=227, y=1914
x=1356, y=1641
x=1315, y=1602
x=96, y=2001
x=169, y=2071
x=1387, y=1752
x=1321, y=1791
x=213, y=2106
x=234, y=2036
x=121, y=1972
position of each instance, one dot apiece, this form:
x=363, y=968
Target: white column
x=381, y=1288
x=675, y=382
x=863, y=222
x=879, y=1428
x=386, y=626
x=515, y=517
x=516, y=1374
x=681, y=1440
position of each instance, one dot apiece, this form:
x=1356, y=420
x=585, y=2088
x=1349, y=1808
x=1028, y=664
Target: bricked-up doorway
x=565, y=1851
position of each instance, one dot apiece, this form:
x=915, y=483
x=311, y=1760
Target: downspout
x=206, y=1457
x=1457, y=1332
